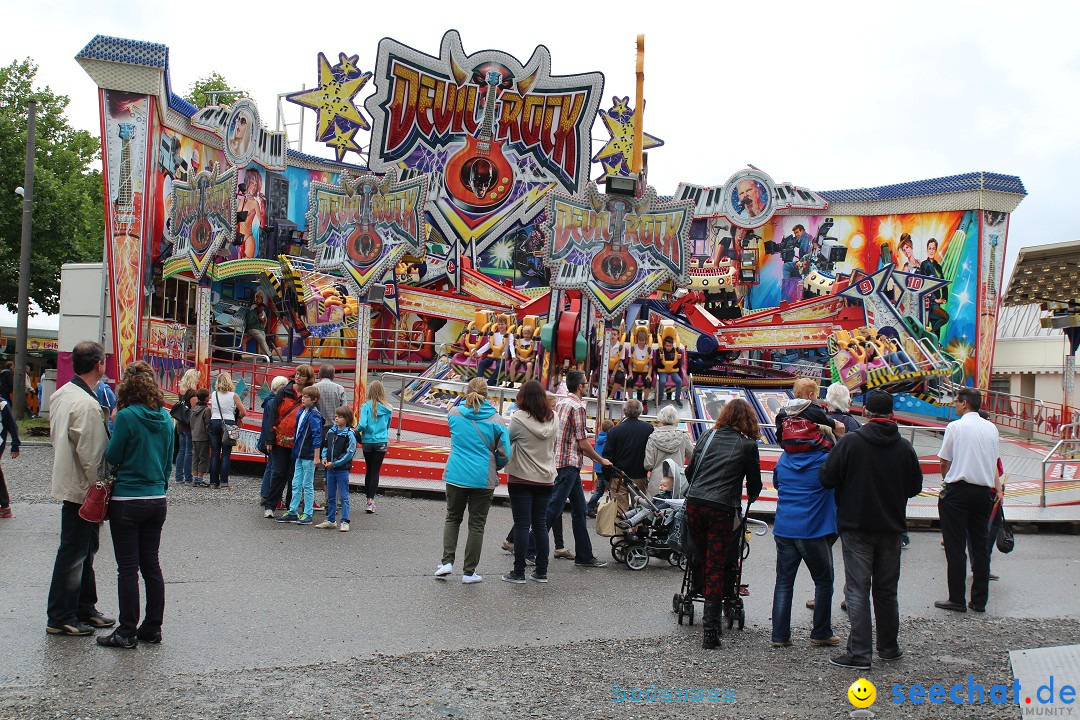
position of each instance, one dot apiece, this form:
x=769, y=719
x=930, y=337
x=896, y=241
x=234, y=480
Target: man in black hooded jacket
x=874, y=471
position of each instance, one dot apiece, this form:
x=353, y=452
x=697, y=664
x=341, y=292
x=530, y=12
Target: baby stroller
x=645, y=528
x=682, y=604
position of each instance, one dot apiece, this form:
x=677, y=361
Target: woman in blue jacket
x=476, y=433
x=373, y=434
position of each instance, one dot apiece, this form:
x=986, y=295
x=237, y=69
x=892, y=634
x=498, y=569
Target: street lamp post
x=19, y=376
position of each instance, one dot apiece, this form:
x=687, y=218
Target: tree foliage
x=213, y=89
x=68, y=207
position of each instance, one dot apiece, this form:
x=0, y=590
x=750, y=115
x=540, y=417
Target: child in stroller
x=648, y=522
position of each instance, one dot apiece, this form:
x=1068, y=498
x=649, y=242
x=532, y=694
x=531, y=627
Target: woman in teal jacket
x=476, y=432
x=141, y=447
x=373, y=434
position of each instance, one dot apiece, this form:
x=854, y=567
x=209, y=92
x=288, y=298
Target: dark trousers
x=529, y=504
x=220, y=455
x=73, y=593
x=5, y=500
x=372, y=465
x=568, y=487
x=965, y=519
x=281, y=479
x=871, y=560
x=711, y=529
x=136, y=535
x=817, y=554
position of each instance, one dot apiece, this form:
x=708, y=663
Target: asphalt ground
x=270, y=620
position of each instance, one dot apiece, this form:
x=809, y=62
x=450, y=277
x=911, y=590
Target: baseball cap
x=879, y=402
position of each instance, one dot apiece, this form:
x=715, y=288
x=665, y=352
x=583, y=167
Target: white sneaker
x=470, y=579
x=326, y=524
x=268, y=513
x=344, y=527
x=444, y=570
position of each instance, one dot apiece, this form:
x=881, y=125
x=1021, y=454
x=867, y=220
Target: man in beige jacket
x=79, y=437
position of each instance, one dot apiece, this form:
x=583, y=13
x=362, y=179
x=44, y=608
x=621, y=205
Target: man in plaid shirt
x=571, y=447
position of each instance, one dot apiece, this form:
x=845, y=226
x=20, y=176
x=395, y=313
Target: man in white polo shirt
x=969, y=456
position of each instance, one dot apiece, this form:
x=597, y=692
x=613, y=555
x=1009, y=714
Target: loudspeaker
x=277, y=198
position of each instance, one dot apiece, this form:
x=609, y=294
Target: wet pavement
x=246, y=593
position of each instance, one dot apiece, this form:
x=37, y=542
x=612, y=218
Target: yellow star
x=620, y=106
x=343, y=141
x=332, y=99
x=622, y=138
x=347, y=65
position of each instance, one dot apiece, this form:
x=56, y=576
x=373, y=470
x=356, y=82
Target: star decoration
x=615, y=156
x=332, y=100
x=343, y=141
x=347, y=65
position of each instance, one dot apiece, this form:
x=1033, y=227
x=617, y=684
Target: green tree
x=68, y=213
x=213, y=90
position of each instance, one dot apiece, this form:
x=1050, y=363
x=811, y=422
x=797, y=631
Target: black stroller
x=650, y=520
x=682, y=604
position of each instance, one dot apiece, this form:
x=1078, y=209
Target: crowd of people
x=835, y=479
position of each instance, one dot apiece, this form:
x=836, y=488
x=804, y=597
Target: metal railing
x=1069, y=457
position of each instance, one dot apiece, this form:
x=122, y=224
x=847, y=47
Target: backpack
x=285, y=430
x=802, y=436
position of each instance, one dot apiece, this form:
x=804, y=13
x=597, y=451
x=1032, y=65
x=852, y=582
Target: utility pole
x=19, y=378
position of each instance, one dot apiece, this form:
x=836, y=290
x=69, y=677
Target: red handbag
x=95, y=507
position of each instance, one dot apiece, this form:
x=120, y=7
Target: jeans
x=661, y=383
x=268, y=478
x=568, y=487
x=964, y=510
x=601, y=486
x=337, y=489
x=478, y=502
x=817, y=554
x=220, y=455
x=303, y=487
x=136, y=534
x=497, y=375
x=281, y=477
x=871, y=559
x=73, y=592
x=183, y=458
x=5, y=500
x=529, y=504
x=372, y=465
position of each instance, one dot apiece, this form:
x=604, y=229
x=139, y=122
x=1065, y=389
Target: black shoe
x=595, y=562
x=98, y=620
x=890, y=654
x=949, y=605
x=150, y=637
x=977, y=608
x=590, y=513
x=847, y=661
x=115, y=639
x=77, y=630
x=710, y=640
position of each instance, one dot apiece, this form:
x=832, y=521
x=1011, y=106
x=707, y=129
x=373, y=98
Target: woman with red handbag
x=141, y=449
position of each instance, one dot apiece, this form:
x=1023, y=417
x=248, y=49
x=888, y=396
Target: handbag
x=493, y=459
x=95, y=506
x=1005, y=541
x=606, y=512
x=695, y=461
x=181, y=413
x=231, y=433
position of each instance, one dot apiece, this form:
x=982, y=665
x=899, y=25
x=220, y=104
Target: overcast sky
x=826, y=95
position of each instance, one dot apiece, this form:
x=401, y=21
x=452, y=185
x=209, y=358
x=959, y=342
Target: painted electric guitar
x=364, y=245
x=479, y=177
x=202, y=232
x=614, y=267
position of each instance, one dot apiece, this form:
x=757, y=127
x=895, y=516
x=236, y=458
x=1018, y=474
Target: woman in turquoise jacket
x=476, y=433
x=373, y=434
x=141, y=447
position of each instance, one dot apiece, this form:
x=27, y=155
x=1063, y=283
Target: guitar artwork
x=479, y=177
x=124, y=210
x=202, y=232
x=614, y=267
x=364, y=246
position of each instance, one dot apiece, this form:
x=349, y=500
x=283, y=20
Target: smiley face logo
x=862, y=693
